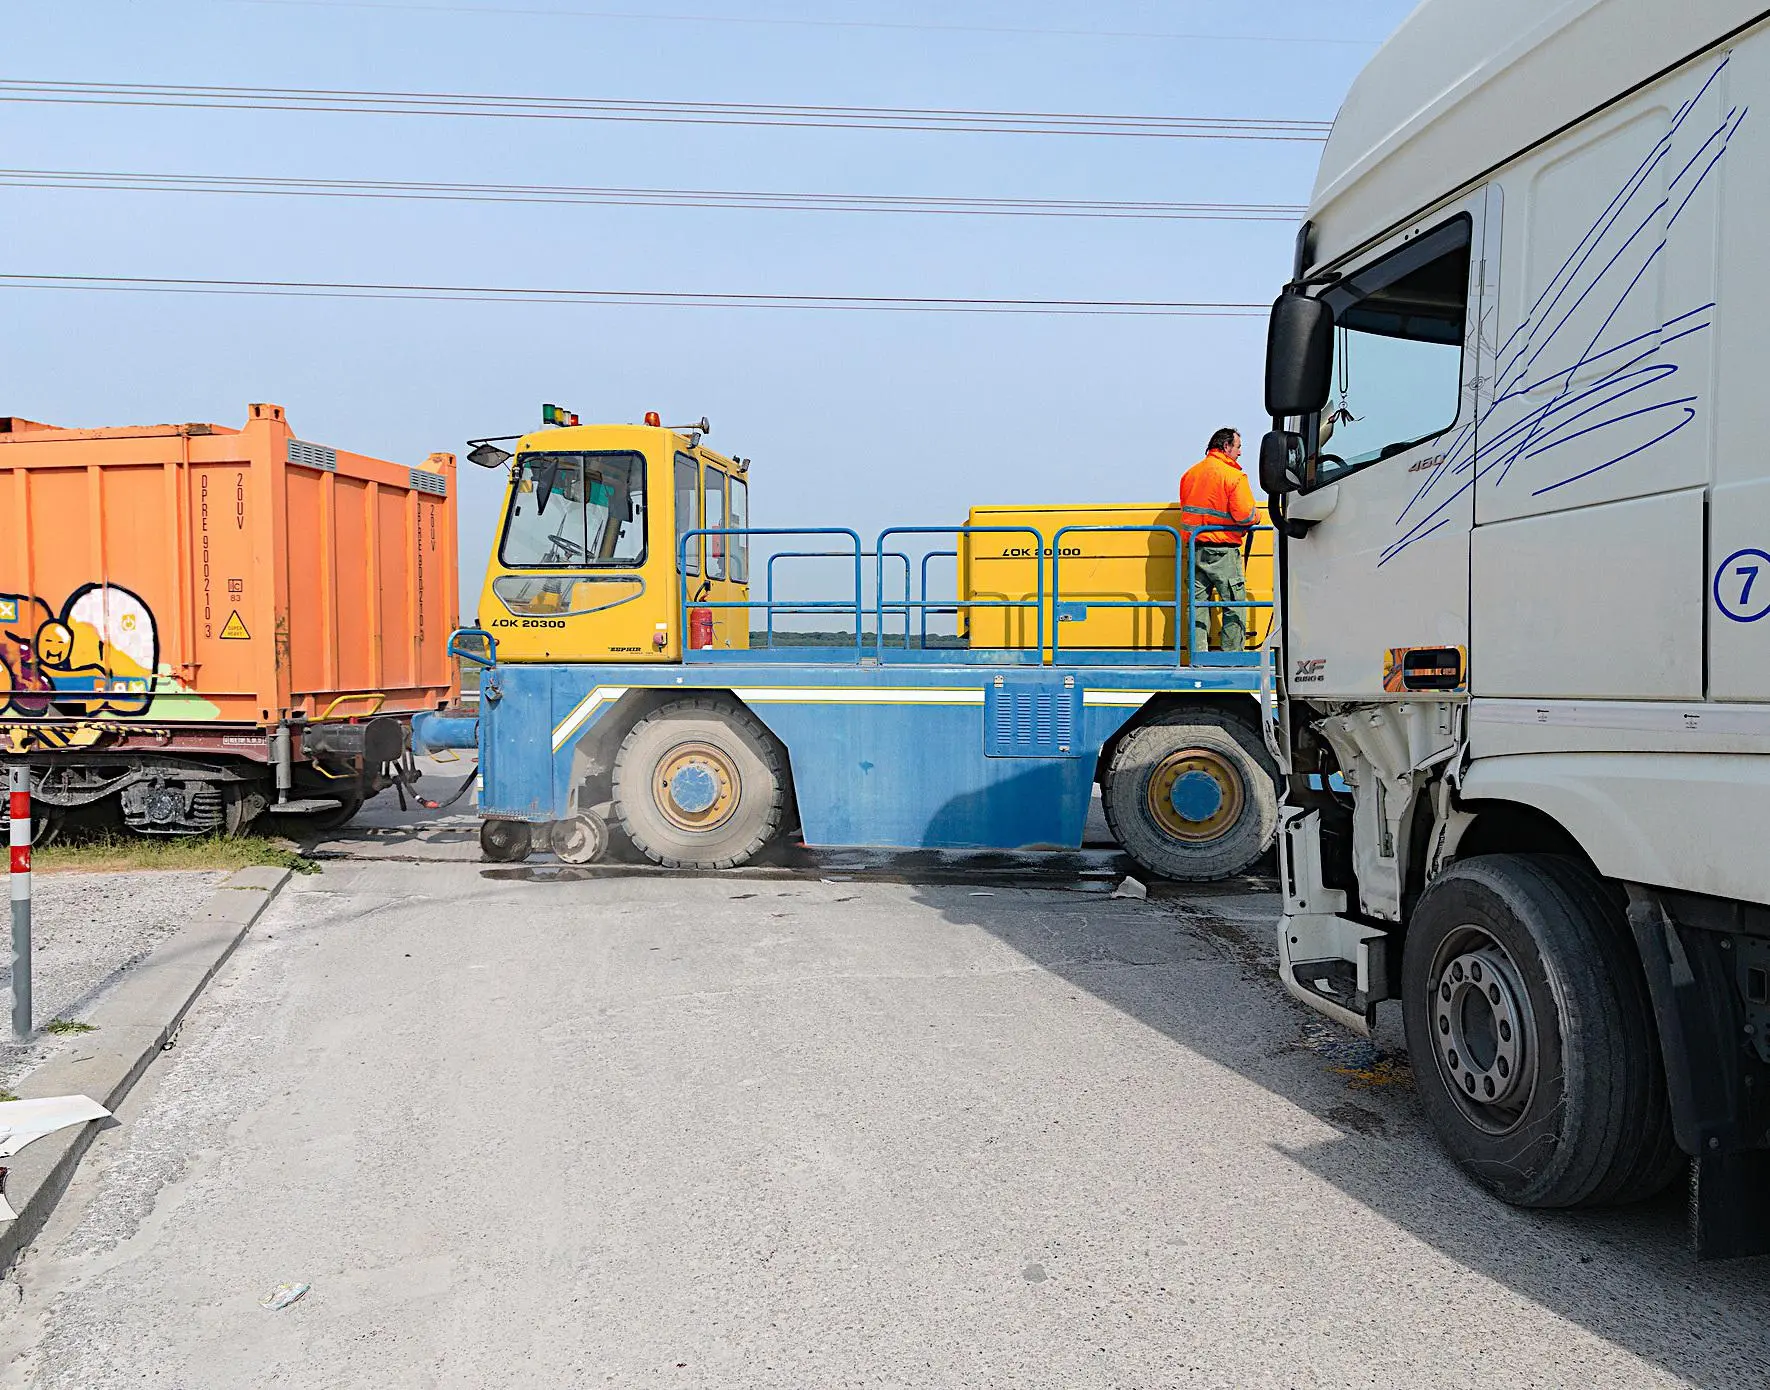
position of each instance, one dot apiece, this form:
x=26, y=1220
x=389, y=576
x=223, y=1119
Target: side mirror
x=487, y=455
x=1299, y=356
x=1281, y=462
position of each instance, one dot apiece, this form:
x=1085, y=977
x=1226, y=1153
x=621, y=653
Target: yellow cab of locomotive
x=585, y=566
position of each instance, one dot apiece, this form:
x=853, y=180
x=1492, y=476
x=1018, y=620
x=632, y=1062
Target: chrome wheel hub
x=1482, y=1026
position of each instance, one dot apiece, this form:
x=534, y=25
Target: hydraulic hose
x=453, y=796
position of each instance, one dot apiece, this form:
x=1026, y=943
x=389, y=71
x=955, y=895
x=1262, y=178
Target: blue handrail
x=817, y=606
x=1183, y=606
x=456, y=650
x=1036, y=604
x=933, y=555
x=749, y=605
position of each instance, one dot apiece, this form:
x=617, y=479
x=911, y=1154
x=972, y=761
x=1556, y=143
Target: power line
x=1311, y=40
x=95, y=180
x=938, y=119
x=903, y=304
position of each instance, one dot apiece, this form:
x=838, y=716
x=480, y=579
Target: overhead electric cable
x=330, y=289
x=111, y=181
x=944, y=120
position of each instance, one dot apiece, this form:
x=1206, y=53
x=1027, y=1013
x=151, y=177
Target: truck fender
x=1688, y=821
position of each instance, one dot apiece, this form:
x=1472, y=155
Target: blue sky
x=862, y=419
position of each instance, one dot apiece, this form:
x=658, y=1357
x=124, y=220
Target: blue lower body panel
x=892, y=756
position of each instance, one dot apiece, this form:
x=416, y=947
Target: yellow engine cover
x=1097, y=567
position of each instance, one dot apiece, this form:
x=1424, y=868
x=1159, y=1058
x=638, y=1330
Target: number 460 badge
x=1742, y=586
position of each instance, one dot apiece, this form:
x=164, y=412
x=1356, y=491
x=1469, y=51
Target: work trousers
x=1217, y=577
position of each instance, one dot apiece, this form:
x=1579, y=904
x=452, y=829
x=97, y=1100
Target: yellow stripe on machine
x=855, y=695
x=1117, y=699
x=595, y=700
x=780, y=695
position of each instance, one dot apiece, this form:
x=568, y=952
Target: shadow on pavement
x=1627, y=1275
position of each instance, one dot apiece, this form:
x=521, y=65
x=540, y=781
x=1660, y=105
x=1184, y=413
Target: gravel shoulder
x=88, y=931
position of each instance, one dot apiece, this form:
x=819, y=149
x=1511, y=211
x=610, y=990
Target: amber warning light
x=653, y=419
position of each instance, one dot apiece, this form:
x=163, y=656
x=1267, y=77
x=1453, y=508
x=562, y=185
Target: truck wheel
x=1192, y=795
x=505, y=841
x=1532, y=1036
x=699, y=785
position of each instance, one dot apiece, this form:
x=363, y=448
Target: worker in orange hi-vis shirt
x=1217, y=506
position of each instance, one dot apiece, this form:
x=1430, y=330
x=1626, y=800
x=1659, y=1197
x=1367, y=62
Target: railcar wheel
x=505, y=841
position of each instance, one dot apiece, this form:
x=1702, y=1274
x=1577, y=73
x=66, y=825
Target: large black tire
x=1557, y=1096
x=1192, y=795
x=693, y=752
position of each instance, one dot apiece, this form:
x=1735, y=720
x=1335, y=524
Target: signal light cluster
x=557, y=415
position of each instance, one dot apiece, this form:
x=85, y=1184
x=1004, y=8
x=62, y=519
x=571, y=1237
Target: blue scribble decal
x=1641, y=397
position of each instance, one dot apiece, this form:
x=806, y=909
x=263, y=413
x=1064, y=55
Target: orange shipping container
x=194, y=588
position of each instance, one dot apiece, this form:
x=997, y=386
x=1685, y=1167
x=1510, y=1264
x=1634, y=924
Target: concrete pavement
x=730, y=1132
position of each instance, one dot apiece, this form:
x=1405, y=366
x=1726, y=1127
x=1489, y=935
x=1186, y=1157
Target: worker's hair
x=1223, y=438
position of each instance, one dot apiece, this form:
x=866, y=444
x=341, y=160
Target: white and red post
x=20, y=808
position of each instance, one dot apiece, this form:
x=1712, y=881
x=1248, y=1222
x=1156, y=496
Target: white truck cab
x=1521, y=453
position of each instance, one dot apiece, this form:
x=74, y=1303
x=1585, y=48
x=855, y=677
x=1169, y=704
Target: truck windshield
x=576, y=511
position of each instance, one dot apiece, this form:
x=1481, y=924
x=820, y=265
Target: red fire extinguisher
x=700, y=629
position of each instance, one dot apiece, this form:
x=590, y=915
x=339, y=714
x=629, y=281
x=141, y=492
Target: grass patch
x=6, y=1096
x=61, y=1027
x=114, y=854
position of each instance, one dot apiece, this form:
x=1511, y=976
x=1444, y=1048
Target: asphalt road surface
x=525, y=1130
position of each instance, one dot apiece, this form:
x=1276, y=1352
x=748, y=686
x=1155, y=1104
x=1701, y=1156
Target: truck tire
x=1532, y=1036
x=1192, y=795
x=699, y=784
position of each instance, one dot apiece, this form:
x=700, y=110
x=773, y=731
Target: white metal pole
x=20, y=807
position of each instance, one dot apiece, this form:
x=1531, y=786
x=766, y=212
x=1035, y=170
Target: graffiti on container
x=97, y=654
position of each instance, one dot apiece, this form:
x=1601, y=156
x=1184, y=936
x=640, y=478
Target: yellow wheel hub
x=696, y=787
x=1195, y=795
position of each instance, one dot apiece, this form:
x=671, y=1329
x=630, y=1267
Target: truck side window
x=576, y=511
x=688, y=510
x=740, y=519
x=714, y=503
x=1398, y=352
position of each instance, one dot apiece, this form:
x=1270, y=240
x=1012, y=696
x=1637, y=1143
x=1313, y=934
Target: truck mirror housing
x=1299, y=355
x=1281, y=462
x=488, y=455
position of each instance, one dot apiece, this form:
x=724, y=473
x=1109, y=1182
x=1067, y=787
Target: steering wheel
x=572, y=550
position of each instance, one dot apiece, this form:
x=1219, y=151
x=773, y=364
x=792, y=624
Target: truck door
x=1384, y=571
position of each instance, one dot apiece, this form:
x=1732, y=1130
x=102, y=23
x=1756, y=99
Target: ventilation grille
x=1031, y=719
x=433, y=483
x=313, y=456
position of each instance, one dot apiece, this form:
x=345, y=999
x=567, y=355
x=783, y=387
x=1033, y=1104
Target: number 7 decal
x=1741, y=588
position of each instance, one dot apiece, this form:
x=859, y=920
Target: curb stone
x=132, y=1023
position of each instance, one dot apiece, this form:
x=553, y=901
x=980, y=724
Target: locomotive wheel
x=505, y=841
